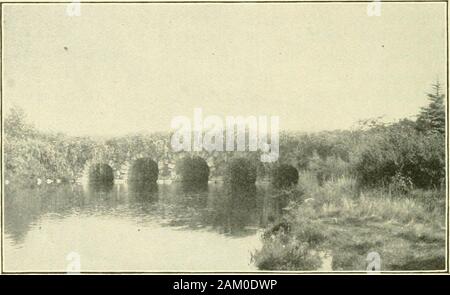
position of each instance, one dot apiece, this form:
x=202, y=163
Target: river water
x=124, y=227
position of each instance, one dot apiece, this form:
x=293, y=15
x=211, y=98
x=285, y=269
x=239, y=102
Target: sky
x=119, y=69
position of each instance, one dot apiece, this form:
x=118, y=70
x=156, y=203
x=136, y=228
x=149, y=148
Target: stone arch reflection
x=143, y=191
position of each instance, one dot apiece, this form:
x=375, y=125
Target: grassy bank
x=337, y=218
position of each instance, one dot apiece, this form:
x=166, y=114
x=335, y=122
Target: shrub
x=400, y=151
x=101, y=173
x=240, y=172
x=400, y=184
x=280, y=252
x=284, y=175
x=144, y=170
x=328, y=168
x=194, y=171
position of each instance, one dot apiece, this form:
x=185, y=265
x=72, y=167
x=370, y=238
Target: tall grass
x=339, y=218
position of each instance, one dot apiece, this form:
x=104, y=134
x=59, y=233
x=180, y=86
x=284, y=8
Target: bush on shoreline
x=400, y=151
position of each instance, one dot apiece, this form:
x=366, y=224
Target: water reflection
x=143, y=191
x=24, y=207
x=206, y=218
x=101, y=187
x=237, y=211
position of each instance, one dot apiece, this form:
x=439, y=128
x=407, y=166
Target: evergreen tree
x=432, y=117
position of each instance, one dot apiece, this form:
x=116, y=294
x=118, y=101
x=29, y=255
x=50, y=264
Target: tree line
x=406, y=153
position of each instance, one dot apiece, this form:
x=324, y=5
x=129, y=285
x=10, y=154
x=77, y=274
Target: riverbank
x=406, y=231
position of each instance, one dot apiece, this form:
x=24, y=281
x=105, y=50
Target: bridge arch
x=101, y=173
x=143, y=170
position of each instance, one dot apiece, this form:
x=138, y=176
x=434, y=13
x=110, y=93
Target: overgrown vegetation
x=284, y=175
x=336, y=220
x=399, y=153
x=378, y=189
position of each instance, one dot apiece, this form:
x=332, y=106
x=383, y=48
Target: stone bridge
x=166, y=165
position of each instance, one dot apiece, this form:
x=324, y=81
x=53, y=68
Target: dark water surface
x=128, y=227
